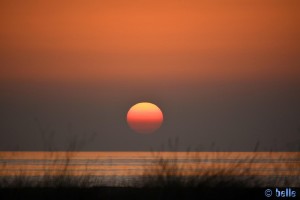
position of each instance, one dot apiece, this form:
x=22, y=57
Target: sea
x=278, y=169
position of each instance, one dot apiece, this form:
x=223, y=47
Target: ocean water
x=274, y=166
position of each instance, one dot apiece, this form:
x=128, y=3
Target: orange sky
x=145, y=40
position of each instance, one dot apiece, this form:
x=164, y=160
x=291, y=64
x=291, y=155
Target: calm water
x=124, y=164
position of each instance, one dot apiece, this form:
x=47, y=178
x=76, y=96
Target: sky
x=226, y=74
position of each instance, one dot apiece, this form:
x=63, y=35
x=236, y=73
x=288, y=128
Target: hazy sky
x=226, y=74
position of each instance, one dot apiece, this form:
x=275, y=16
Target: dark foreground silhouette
x=131, y=193
x=154, y=188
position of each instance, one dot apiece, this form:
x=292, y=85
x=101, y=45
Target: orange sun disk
x=144, y=117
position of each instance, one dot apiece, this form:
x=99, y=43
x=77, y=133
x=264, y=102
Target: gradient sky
x=226, y=74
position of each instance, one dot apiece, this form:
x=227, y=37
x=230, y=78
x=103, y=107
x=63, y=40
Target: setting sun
x=144, y=117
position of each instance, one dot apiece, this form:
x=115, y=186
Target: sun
x=145, y=117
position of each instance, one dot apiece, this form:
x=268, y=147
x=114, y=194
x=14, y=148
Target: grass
x=170, y=172
x=165, y=179
x=166, y=182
